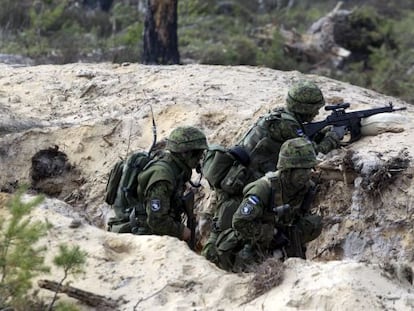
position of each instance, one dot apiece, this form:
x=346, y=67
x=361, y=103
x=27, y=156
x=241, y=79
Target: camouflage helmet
x=296, y=153
x=304, y=97
x=186, y=138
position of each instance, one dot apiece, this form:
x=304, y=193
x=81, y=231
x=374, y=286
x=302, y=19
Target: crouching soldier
x=274, y=214
x=162, y=184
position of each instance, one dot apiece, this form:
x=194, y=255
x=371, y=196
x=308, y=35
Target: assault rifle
x=345, y=121
x=188, y=203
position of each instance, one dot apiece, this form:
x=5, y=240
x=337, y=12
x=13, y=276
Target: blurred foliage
x=227, y=32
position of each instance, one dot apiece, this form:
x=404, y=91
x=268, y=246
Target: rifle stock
x=350, y=120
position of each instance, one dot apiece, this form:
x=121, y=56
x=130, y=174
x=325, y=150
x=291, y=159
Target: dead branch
x=318, y=45
x=86, y=297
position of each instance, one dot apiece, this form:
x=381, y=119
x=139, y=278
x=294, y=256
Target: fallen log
x=318, y=45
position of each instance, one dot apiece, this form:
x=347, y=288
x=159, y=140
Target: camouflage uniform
x=263, y=142
x=226, y=197
x=161, y=186
x=257, y=227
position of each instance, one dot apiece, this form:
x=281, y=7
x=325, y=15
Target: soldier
x=262, y=144
x=264, y=139
x=226, y=191
x=274, y=213
x=161, y=186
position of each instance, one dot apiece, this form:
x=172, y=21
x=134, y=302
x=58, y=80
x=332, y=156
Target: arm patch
x=249, y=204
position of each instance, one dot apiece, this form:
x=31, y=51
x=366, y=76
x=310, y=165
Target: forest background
x=242, y=32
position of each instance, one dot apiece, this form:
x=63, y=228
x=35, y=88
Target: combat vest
x=264, y=139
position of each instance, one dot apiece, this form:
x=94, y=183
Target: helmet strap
x=196, y=184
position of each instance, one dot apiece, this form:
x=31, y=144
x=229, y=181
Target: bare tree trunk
x=160, y=33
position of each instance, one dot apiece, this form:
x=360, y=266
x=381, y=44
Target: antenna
x=129, y=138
x=154, y=126
x=154, y=131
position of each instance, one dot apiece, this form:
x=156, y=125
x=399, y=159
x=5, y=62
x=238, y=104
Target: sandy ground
x=98, y=113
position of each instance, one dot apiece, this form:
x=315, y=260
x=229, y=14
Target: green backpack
x=121, y=188
x=221, y=166
x=216, y=164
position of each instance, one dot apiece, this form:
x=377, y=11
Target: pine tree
x=20, y=258
x=72, y=261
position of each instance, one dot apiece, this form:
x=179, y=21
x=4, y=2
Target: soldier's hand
x=267, y=233
x=204, y=224
x=186, y=234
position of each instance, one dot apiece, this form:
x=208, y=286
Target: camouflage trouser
x=226, y=207
x=234, y=254
x=227, y=246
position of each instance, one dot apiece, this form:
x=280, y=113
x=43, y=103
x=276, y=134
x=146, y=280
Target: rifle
x=309, y=198
x=350, y=121
x=294, y=246
x=289, y=237
x=188, y=204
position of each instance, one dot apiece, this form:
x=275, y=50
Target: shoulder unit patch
x=155, y=205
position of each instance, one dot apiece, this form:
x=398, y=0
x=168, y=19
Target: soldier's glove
x=332, y=138
x=210, y=252
x=340, y=131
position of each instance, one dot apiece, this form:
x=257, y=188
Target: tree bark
x=160, y=33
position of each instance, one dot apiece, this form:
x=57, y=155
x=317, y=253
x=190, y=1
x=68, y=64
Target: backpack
x=226, y=168
x=217, y=162
x=121, y=188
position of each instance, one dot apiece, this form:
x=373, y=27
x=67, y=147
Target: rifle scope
x=338, y=106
